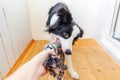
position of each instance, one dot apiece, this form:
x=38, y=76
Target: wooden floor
x=89, y=60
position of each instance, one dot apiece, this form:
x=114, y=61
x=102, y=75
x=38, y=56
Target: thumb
x=44, y=55
x=47, y=52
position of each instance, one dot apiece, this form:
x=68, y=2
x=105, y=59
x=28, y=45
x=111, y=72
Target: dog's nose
x=68, y=52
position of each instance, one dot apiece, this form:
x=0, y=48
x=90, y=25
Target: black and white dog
x=60, y=25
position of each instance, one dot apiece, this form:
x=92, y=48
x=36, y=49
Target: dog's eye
x=66, y=35
x=59, y=28
x=64, y=19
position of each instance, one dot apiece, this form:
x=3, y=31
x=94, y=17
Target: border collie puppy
x=61, y=25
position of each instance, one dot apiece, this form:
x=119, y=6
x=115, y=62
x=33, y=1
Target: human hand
x=33, y=69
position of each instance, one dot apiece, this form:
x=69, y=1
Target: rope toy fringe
x=55, y=63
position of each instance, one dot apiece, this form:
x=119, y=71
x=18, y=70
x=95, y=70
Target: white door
x=18, y=22
x=0, y=76
x=5, y=36
x=4, y=65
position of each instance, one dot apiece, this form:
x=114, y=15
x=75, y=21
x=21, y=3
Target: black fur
x=65, y=16
x=62, y=12
x=79, y=35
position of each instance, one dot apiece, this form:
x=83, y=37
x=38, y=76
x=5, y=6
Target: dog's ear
x=68, y=17
x=49, y=17
x=50, y=10
x=81, y=33
x=65, y=15
x=50, y=30
x=81, y=30
x=61, y=12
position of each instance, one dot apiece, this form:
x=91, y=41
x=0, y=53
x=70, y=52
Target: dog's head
x=67, y=34
x=58, y=18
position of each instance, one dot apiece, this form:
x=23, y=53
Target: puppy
x=60, y=25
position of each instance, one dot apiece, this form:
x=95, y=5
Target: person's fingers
x=42, y=56
x=45, y=53
x=49, y=51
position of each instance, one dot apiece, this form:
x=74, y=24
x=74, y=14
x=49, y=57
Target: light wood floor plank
x=89, y=59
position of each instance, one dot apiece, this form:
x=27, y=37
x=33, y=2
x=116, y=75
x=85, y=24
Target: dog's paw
x=74, y=75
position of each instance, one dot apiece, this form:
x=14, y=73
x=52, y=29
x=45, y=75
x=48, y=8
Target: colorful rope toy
x=55, y=63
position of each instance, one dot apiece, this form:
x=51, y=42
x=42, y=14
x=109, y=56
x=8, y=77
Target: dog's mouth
x=65, y=35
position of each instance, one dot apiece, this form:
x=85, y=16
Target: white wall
x=104, y=18
x=83, y=12
x=38, y=14
x=92, y=15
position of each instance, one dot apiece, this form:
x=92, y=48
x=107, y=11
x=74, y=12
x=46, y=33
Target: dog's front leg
x=70, y=67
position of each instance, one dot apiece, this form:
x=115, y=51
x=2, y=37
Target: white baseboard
x=112, y=47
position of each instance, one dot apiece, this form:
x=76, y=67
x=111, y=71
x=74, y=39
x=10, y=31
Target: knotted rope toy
x=55, y=63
